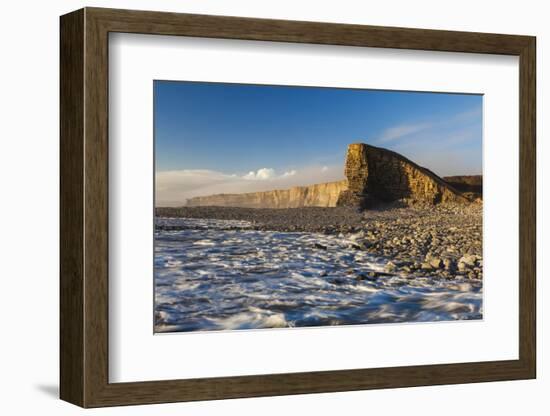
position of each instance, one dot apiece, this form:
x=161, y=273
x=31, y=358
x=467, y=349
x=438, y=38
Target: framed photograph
x=255, y=207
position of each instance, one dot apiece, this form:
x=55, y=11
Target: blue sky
x=217, y=137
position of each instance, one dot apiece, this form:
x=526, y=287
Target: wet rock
x=426, y=266
x=357, y=236
x=449, y=264
x=390, y=266
x=370, y=276
x=469, y=260
x=355, y=246
x=436, y=262
x=366, y=245
x=446, y=274
x=462, y=267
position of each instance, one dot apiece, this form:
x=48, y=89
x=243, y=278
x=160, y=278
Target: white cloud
x=266, y=174
x=324, y=168
x=261, y=174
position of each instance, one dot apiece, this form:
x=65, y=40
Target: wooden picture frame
x=84, y=207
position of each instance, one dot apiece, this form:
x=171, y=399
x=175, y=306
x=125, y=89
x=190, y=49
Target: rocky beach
x=442, y=241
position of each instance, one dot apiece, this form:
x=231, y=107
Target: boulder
x=469, y=260
x=436, y=263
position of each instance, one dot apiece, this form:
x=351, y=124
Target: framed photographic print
x=255, y=207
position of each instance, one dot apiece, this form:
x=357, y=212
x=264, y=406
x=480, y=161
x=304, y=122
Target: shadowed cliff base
x=373, y=176
x=471, y=186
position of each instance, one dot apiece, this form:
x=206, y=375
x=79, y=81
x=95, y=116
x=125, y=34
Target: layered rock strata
x=319, y=195
x=376, y=174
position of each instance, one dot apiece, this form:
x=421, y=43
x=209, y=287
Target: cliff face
x=319, y=195
x=373, y=175
x=379, y=174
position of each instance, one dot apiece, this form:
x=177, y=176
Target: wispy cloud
x=404, y=130
x=448, y=146
x=472, y=114
x=412, y=131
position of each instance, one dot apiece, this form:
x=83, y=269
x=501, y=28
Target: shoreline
x=443, y=241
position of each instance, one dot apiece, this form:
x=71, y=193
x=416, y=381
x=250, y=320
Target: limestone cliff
x=379, y=174
x=319, y=195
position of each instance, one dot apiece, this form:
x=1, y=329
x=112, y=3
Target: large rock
x=380, y=174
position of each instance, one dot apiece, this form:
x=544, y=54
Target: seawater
x=223, y=275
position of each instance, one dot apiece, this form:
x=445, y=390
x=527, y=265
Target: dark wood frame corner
x=84, y=207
